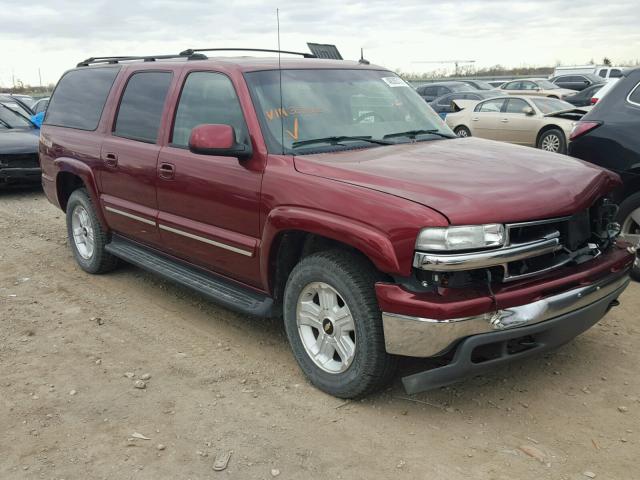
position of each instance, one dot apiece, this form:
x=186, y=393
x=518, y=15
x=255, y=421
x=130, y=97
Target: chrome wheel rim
x=326, y=327
x=83, y=235
x=631, y=231
x=463, y=133
x=551, y=143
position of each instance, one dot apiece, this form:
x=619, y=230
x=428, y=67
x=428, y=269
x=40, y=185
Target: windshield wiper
x=6, y=124
x=413, y=133
x=336, y=141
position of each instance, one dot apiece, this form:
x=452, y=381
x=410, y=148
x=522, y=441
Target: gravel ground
x=73, y=346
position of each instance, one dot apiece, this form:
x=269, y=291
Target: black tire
x=552, y=136
x=630, y=204
x=100, y=261
x=462, y=131
x=353, y=278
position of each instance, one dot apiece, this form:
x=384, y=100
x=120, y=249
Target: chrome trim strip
x=130, y=215
x=485, y=258
x=426, y=337
x=631, y=93
x=206, y=240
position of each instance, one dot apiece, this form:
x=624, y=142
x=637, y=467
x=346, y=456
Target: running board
x=218, y=289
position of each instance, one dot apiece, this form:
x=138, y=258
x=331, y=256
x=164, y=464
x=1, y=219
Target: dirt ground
x=223, y=382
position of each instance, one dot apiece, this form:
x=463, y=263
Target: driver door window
x=206, y=98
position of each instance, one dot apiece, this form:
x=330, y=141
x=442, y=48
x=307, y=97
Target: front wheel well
x=290, y=247
x=66, y=184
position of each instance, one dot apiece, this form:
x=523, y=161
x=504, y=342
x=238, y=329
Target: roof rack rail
x=192, y=51
x=145, y=58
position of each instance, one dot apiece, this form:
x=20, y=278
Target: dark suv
x=329, y=193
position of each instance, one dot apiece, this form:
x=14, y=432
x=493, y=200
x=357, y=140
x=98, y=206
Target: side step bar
x=218, y=289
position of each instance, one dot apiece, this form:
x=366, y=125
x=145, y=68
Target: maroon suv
x=329, y=193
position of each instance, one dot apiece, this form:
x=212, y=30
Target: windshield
x=12, y=119
x=326, y=104
x=546, y=85
x=549, y=105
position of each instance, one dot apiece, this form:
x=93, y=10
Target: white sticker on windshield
x=394, y=82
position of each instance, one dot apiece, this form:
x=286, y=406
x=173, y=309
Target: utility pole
x=40, y=76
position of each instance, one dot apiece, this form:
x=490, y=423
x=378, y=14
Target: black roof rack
x=191, y=51
x=190, y=54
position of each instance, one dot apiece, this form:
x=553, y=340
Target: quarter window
x=634, y=97
x=490, y=106
x=141, y=107
x=207, y=97
x=79, y=98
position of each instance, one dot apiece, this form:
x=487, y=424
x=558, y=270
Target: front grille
x=573, y=234
x=23, y=160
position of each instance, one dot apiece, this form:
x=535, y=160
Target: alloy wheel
x=551, y=143
x=326, y=327
x=631, y=231
x=83, y=235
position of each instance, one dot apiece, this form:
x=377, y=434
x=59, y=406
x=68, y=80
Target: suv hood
x=470, y=181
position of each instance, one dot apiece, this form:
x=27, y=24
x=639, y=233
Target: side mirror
x=528, y=111
x=220, y=140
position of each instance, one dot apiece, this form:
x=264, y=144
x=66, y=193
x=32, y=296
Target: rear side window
x=141, y=107
x=634, y=96
x=80, y=97
x=494, y=105
x=615, y=73
x=207, y=97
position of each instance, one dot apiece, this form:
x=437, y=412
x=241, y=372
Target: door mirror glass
x=528, y=111
x=216, y=139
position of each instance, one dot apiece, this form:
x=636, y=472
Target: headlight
x=461, y=238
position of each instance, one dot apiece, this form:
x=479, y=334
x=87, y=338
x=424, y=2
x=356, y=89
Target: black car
x=479, y=84
x=576, y=81
x=18, y=148
x=432, y=91
x=583, y=98
x=608, y=136
x=442, y=105
x=16, y=103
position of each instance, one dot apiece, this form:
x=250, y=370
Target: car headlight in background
x=470, y=237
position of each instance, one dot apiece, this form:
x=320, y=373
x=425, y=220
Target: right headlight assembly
x=470, y=237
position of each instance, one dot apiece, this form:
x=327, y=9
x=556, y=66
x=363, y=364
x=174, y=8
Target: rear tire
x=462, y=131
x=552, y=140
x=86, y=235
x=329, y=301
x=629, y=219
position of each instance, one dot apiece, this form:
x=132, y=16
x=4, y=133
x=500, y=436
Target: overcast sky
x=54, y=35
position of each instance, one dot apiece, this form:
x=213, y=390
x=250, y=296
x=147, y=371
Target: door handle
x=110, y=159
x=505, y=120
x=166, y=171
x=474, y=119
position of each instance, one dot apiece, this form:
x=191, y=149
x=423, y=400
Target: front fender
x=372, y=242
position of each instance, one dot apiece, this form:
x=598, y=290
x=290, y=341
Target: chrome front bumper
x=426, y=337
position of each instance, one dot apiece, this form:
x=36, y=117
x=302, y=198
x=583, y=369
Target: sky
x=39, y=38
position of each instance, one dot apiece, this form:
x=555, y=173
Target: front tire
x=552, y=141
x=334, y=325
x=629, y=219
x=462, y=131
x=86, y=236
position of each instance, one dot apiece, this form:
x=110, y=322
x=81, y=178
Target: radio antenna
x=280, y=81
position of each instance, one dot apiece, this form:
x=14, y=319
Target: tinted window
x=141, y=106
x=635, y=95
x=79, y=98
x=515, y=105
x=207, y=98
x=429, y=91
x=490, y=105
x=603, y=73
x=615, y=73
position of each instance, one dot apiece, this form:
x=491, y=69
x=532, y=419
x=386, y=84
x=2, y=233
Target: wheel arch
x=546, y=128
x=291, y=233
x=73, y=174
